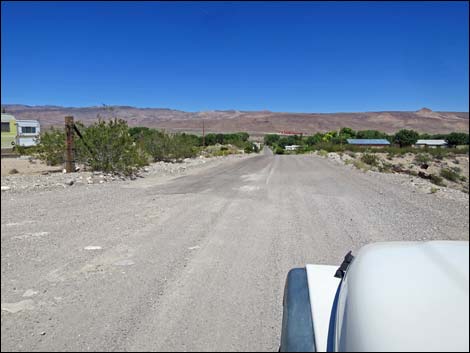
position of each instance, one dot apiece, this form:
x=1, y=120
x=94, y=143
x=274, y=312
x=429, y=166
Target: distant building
x=8, y=131
x=431, y=143
x=292, y=147
x=369, y=142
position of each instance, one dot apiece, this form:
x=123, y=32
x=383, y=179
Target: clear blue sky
x=280, y=56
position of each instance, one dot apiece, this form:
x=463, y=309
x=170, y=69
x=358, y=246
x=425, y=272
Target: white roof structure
x=432, y=142
x=27, y=122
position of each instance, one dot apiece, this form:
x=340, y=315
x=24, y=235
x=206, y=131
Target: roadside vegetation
x=441, y=166
x=112, y=147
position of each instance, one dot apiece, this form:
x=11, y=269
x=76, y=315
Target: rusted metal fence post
x=70, y=153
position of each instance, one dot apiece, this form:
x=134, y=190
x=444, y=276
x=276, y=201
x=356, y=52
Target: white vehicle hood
x=405, y=296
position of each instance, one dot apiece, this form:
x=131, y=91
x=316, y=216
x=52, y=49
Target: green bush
x=457, y=138
x=108, y=147
x=406, y=137
x=51, y=147
x=435, y=179
x=370, y=159
x=422, y=158
x=323, y=153
x=251, y=148
x=279, y=150
x=162, y=146
x=360, y=165
x=385, y=167
x=25, y=150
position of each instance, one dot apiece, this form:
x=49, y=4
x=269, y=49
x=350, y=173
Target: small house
x=8, y=131
x=431, y=143
x=369, y=142
x=27, y=132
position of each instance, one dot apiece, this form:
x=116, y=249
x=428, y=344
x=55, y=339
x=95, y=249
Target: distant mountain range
x=253, y=122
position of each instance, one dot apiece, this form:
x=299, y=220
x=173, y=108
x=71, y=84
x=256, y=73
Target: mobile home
x=27, y=132
x=8, y=131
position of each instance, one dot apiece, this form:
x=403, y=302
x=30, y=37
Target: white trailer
x=27, y=132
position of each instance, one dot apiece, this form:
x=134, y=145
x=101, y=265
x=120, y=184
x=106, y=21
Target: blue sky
x=279, y=56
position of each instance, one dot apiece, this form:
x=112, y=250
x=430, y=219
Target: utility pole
x=70, y=153
x=203, y=135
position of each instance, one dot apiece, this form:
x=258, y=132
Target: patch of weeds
x=433, y=190
x=13, y=171
x=439, y=155
x=360, y=165
x=385, y=167
x=322, y=153
x=413, y=172
x=370, y=159
x=422, y=158
x=437, y=180
x=351, y=154
x=450, y=174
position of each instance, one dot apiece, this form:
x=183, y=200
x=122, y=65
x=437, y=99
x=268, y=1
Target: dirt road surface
x=197, y=262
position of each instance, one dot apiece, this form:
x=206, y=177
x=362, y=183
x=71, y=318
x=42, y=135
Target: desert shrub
x=13, y=171
x=323, y=153
x=385, y=167
x=108, y=147
x=422, y=158
x=435, y=179
x=155, y=143
x=162, y=146
x=183, y=146
x=25, y=150
x=360, y=165
x=433, y=190
x=51, y=147
x=370, y=159
x=450, y=174
x=251, y=148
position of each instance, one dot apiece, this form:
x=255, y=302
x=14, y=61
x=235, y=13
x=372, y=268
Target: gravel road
x=195, y=262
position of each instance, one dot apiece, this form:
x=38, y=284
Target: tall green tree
x=457, y=138
x=406, y=137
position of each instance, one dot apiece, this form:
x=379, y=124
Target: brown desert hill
x=254, y=122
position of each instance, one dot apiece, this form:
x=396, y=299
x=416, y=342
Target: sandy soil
x=25, y=165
